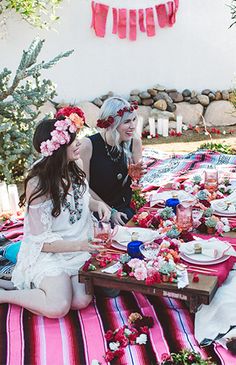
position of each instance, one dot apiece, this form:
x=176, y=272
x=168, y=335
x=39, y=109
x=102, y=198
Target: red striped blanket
x=78, y=338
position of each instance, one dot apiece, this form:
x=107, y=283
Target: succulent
x=166, y=213
x=197, y=179
x=208, y=212
x=211, y=222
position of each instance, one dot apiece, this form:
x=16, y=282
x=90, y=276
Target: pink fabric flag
x=176, y=4
x=122, y=23
x=150, y=24
x=141, y=20
x=171, y=13
x=132, y=25
x=115, y=20
x=99, y=18
x=162, y=15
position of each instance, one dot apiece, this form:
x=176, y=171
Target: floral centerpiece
x=185, y=357
x=154, y=271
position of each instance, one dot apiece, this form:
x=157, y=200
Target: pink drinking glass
x=184, y=218
x=104, y=233
x=211, y=180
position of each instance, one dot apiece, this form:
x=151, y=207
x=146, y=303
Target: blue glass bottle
x=172, y=203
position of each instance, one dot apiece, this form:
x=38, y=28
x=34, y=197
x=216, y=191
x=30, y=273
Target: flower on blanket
x=184, y=357
x=133, y=333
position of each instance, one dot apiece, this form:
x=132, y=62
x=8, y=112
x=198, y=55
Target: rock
x=193, y=100
x=145, y=112
x=171, y=91
x=159, y=87
x=47, y=109
x=91, y=112
x=218, y=95
x=232, y=97
x=186, y=93
x=164, y=96
x=191, y=113
x=135, y=92
x=162, y=114
x=212, y=97
x=194, y=93
x=172, y=125
x=152, y=92
x=147, y=102
x=220, y=113
x=135, y=98
x=104, y=97
x=160, y=104
x=171, y=107
x=225, y=95
x=187, y=98
x=206, y=92
x=203, y=99
x=98, y=102
x=144, y=95
x=176, y=97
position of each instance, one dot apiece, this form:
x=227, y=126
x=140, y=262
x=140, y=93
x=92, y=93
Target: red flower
x=165, y=357
x=109, y=335
x=119, y=353
x=105, y=123
x=109, y=356
x=68, y=110
x=86, y=265
x=172, y=133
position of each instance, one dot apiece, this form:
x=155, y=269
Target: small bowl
x=149, y=250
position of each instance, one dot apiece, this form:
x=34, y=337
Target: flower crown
x=60, y=135
x=105, y=123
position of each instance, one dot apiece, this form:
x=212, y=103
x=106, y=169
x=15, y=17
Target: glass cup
x=102, y=233
x=135, y=170
x=184, y=218
x=211, y=180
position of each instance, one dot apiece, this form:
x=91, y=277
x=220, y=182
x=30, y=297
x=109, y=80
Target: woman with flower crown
x=106, y=156
x=57, y=225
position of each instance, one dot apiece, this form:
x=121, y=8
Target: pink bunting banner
x=126, y=21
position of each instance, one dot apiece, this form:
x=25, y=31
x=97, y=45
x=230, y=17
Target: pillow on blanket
x=10, y=251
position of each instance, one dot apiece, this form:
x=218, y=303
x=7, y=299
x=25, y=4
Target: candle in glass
x=4, y=198
x=159, y=126
x=139, y=127
x=13, y=198
x=165, y=126
x=152, y=127
x=179, y=121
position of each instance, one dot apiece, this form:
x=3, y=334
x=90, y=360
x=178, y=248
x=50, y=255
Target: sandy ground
x=187, y=146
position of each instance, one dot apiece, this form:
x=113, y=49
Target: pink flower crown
x=105, y=123
x=60, y=135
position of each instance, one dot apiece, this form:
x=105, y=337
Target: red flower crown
x=105, y=123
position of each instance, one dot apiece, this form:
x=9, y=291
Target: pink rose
x=140, y=273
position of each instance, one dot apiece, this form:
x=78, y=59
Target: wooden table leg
x=88, y=282
x=193, y=304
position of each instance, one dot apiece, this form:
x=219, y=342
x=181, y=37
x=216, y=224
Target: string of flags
x=125, y=22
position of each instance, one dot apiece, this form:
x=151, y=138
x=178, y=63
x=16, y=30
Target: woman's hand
x=90, y=246
x=116, y=218
x=104, y=212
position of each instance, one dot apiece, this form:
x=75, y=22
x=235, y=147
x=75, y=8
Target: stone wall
x=158, y=102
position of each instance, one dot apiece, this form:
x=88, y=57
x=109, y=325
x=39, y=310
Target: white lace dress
x=40, y=227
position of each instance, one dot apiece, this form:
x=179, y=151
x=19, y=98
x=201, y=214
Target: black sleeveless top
x=107, y=176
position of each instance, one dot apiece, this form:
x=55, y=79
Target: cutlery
x=201, y=268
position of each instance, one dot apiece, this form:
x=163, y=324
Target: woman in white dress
x=57, y=225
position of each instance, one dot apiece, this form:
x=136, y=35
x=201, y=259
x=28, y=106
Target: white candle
x=179, y=123
x=165, y=127
x=139, y=127
x=4, y=198
x=160, y=126
x=152, y=127
x=13, y=198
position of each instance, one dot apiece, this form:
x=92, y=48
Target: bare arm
x=137, y=149
x=86, y=150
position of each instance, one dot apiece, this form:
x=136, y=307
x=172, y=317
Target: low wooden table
x=195, y=293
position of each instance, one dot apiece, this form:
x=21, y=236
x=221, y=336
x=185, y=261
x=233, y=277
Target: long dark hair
x=53, y=172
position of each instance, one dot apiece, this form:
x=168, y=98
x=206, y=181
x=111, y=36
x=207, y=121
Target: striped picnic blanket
x=78, y=338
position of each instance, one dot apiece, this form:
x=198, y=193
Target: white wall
x=198, y=52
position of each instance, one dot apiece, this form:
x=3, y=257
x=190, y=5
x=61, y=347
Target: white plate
x=182, y=195
x=224, y=214
x=215, y=262
x=118, y=246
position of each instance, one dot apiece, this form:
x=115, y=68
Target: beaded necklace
x=75, y=214
x=114, y=159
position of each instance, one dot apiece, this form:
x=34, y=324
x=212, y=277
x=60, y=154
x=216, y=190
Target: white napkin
x=225, y=205
x=124, y=234
x=213, y=248
x=156, y=197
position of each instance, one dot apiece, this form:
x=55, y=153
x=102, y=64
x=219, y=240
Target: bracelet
x=113, y=211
